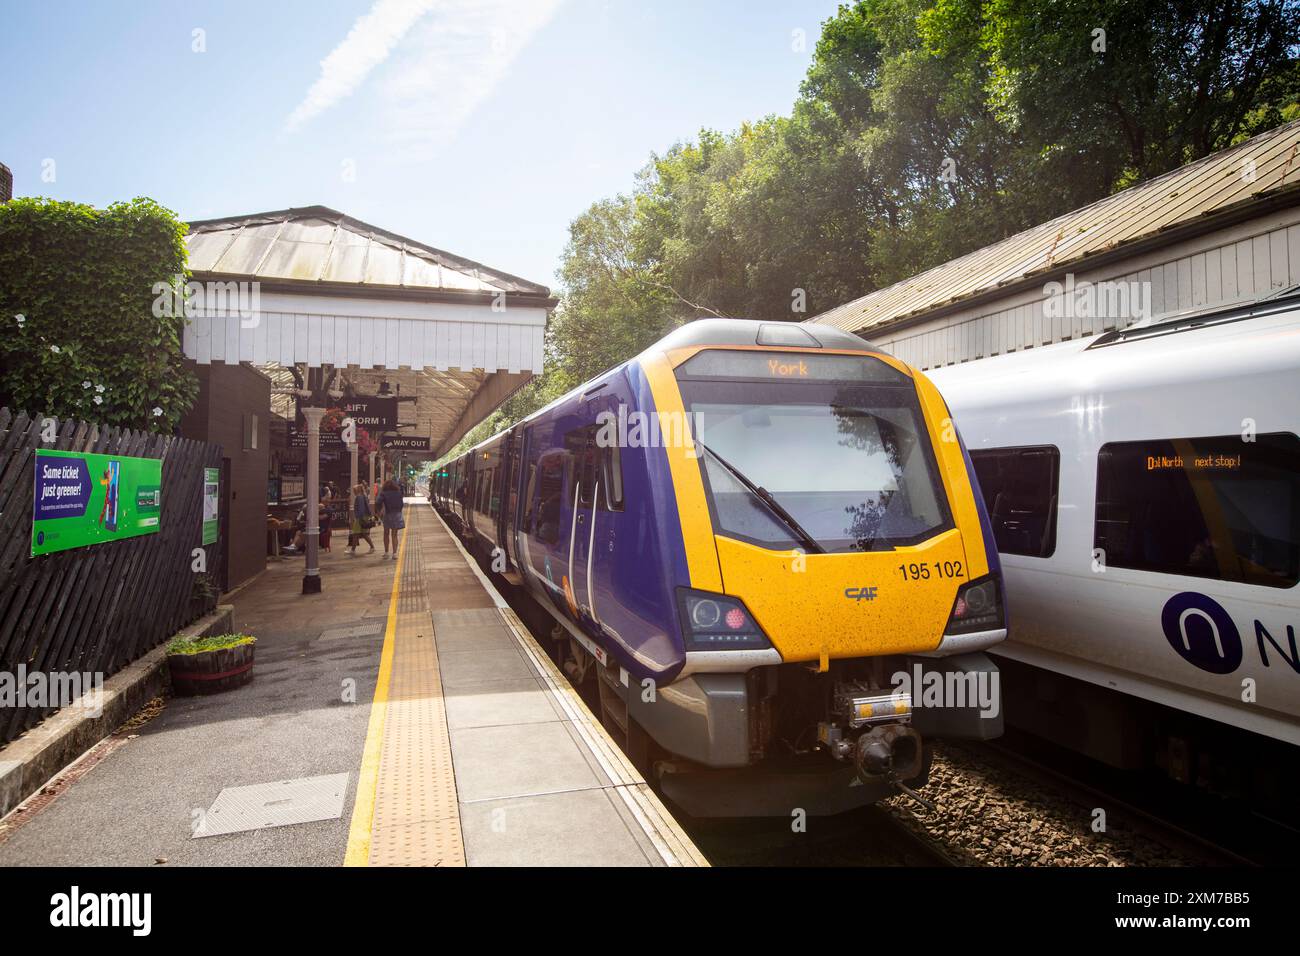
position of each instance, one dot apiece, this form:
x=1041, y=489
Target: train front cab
x=843, y=581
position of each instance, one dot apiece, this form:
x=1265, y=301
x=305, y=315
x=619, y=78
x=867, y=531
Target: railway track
x=1203, y=828
x=870, y=836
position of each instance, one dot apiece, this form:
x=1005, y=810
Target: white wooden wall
x=372, y=334
x=1238, y=265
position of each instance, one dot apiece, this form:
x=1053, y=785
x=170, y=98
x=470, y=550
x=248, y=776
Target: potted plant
x=210, y=665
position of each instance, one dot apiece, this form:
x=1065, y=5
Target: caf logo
x=1202, y=632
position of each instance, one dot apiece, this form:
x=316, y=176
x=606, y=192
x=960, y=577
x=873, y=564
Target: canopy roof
x=1239, y=181
x=331, y=290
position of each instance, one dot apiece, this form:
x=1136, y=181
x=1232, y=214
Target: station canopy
x=388, y=313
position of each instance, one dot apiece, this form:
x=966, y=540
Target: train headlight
x=714, y=622
x=705, y=613
x=978, y=607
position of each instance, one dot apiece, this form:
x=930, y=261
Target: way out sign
x=83, y=499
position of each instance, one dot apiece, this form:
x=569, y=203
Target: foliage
x=924, y=129
x=90, y=345
x=215, y=642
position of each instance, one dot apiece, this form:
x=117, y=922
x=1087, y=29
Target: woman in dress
x=390, y=509
x=363, y=520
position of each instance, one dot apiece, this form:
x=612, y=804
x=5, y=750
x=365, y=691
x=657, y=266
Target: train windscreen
x=821, y=465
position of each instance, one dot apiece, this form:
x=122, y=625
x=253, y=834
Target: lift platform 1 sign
x=83, y=499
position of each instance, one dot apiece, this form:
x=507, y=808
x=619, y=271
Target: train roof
x=1256, y=336
x=756, y=332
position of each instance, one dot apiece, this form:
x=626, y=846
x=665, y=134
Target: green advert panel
x=211, y=504
x=82, y=499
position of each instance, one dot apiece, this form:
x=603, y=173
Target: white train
x=1144, y=488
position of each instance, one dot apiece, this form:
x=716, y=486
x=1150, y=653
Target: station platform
x=402, y=717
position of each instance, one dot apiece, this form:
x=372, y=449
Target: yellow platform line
x=363, y=810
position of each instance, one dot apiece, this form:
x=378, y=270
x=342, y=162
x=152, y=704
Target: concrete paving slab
x=576, y=828
x=501, y=703
x=519, y=760
x=465, y=668
x=485, y=637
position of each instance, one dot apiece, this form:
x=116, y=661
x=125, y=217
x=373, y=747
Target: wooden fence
x=96, y=609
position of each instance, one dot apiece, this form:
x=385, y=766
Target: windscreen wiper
x=765, y=496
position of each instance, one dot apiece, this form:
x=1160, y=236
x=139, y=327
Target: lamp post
x=311, y=578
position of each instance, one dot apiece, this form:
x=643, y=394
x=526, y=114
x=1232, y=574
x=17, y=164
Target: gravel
x=988, y=815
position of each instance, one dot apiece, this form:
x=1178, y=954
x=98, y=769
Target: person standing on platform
x=363, y=519
x=390, y=510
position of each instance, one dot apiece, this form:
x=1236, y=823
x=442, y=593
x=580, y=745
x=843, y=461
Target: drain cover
x=279, y=804
x=355, y=630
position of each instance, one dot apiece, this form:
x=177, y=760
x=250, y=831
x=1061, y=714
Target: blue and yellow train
x=763, y=552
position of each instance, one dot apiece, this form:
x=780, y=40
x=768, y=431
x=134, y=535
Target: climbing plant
x=84, y=331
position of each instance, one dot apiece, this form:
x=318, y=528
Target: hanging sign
x=405, y=442
x=84, y=499
x=372, y=412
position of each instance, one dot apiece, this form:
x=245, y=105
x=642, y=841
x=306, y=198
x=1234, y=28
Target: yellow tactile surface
x=406, y=810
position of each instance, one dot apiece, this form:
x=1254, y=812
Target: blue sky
x=482, y=127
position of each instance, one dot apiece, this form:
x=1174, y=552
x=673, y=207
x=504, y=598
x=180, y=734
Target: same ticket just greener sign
x=83, y=499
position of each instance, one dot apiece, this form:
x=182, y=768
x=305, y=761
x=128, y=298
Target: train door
x=522, y=519
x=585, y=455
x=544, y=526
x=602, y=599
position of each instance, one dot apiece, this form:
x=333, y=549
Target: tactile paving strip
x=416, y=818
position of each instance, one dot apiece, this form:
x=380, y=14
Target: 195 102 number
x=923, y=571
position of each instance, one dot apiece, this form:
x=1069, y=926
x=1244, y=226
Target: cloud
x=371, y=39
x=451, y=64
x=443, y=65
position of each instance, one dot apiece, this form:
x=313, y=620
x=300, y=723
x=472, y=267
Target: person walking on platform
x=390, y=510
x=363, y=519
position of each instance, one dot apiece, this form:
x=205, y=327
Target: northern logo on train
x=860, y=594
x=1201, y=632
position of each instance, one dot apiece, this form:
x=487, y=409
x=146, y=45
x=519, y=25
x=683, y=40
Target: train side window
x=588, y=470
x=529, y=500
x=550, y=487
x=494, y=503
x=1020, y=487
x=612, y=478
x=581, y=444
x=1217, y=507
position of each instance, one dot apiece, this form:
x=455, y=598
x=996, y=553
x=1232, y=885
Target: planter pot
x=211, y=672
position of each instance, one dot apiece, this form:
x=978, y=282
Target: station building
x=1221, y=231
x=308, y=307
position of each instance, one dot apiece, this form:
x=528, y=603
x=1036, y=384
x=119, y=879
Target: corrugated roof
x=1209, y=186
x=320, y=245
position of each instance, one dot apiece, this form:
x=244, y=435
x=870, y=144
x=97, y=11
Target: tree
x=923, y=130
